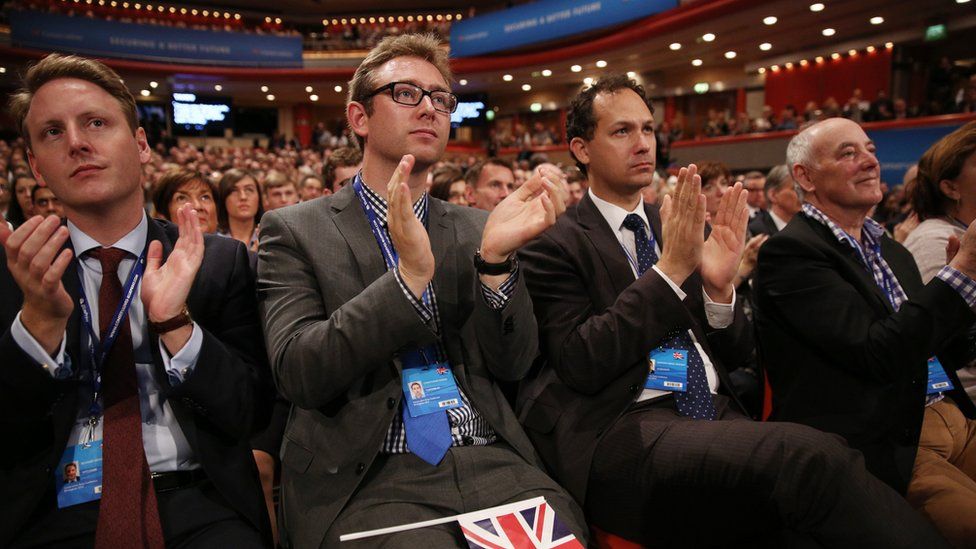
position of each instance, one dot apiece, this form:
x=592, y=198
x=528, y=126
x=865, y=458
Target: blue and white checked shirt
x=468, y=426
x=869, y=252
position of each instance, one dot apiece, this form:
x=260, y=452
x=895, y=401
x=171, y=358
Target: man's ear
x=469, y=194
x=578, y=147
x=358, y=118
x=145, y=152
x=802, y=175
x=32, y=162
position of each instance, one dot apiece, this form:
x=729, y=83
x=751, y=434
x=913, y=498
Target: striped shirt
x=468, y=426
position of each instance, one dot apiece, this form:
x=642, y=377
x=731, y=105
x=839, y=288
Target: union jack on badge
x=678, y=356
x=528, y=524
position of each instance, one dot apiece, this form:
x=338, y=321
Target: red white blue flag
x=528, y=524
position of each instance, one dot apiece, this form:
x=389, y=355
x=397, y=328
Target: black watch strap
x=483, y=267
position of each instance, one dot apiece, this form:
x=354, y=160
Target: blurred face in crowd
x=784, y=201
x=45, y=203
x=83, y=148
x=345, y=173
x=5, y=194
x=279, y=197
x=395, y=129
x=620, y=157
x=242, y=204
x=457, y=193
x=575, y=193
x=713, y=189
x=494, y=184
x=754, y=187
x=844, y=173
x=962, y=190
x=198, y=195
x=311, y=189
x=22, y=193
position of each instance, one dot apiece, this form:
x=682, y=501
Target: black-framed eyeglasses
x=406, y=93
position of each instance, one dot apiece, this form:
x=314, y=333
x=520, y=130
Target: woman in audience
x=448, y=184
x=239, y=207
x=177, y=187
x=21, y=207
x=944, y=198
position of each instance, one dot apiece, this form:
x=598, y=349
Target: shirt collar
x=134, y=242
x=379, y=204
x=870, y=234
x=615, y=215
x=776, y=220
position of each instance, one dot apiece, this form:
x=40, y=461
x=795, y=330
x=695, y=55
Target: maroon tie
x=128, y=515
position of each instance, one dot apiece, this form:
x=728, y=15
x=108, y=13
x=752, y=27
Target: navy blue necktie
x=696, y=402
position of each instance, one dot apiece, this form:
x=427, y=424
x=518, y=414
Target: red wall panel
x=835, y=78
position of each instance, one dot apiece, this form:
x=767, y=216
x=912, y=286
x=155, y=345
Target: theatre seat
x=606, y=540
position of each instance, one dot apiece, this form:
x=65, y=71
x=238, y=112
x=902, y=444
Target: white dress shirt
x=719, y=315
x=777, y=220
x=165, y=444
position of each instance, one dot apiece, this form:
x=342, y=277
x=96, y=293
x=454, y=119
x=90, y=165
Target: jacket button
x=390, y=403
x=633, y=388
x=360, y=468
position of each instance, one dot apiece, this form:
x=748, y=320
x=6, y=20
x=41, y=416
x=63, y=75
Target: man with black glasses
x=389, y=316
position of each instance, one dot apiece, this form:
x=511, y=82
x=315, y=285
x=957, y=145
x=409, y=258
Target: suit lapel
x=351, y=221
x=440, y=229
x=605, y=243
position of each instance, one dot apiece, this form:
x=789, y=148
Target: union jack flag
x=441, y=370
x=678, y=356
x=528, y=524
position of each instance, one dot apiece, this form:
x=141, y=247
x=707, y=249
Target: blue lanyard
x=98, y=349
x=386, y=245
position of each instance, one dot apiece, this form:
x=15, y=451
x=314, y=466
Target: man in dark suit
x=365, y=292
x=666, y=458
x=168, y=399
x=782, y=201
x=847, y=330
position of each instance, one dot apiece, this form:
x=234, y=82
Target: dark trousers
x=667, y=481
x=194, y=517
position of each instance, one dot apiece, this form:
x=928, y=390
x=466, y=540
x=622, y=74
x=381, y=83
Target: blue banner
x=99, y=37
x=544, y=21
x=899, y=148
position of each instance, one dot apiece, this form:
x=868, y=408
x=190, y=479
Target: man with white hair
x=782, y=199
x=855, y=344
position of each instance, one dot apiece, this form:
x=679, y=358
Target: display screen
x=194, y=114
x=470, y=110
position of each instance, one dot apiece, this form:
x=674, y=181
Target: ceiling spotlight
x=631, y=74
x=696, y=62
x=804, y=62
x=877, y=20
x=835, y=55
x=546, y=72
x=507, y=77
x=762, y=70
x=816, y=7
x=870, y=49
x=890, y=45
x=765, y=46
x=774, y=68
x=526, y=87
x=819, y=59
x=601, y=63
x=789, y=65
x=828, y=32
x=708, y=37
x=154, y=84
x=270, y=97
x=675, y=46
x=587, y=80
x=852, y=53
x=576, y=68
x=218, y=87
x=313, y=97
x=144, y=93
x=338, y=89
x=463, y=82
x=264, y=89
x=771, y=20
x=730, y=54
x=308, y=89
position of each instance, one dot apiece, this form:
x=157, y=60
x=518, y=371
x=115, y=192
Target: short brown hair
x=57, y=66
x=442, y=179
x=581, y=121
x=712, y=170
x=944, y=160
x=342, y=157
x=424, y=46
x=276, y=179
x=172, y=181
x=473, y=174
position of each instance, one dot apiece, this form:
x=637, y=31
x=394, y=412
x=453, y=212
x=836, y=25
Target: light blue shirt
x=165, y=444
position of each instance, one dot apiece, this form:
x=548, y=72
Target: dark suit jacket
x=762, y=223
x=838, y=357
x=335, y=318
x=597, y=326
x=215, y=406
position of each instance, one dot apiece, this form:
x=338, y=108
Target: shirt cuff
x=59, y=366
x=961, y=283
x=423, y=310
x=677, y=289
x=497, y=300
x=719, y=315
x=179, y=366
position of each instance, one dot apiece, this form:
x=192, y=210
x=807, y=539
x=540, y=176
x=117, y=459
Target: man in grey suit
x=360, y=300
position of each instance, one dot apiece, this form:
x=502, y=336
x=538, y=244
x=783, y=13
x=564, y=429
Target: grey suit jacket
x=334, y=319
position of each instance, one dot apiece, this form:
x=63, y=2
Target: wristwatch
x=178, y=321
x=483, y=267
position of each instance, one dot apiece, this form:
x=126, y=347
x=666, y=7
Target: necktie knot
x=635, y=224
x=109, y=258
